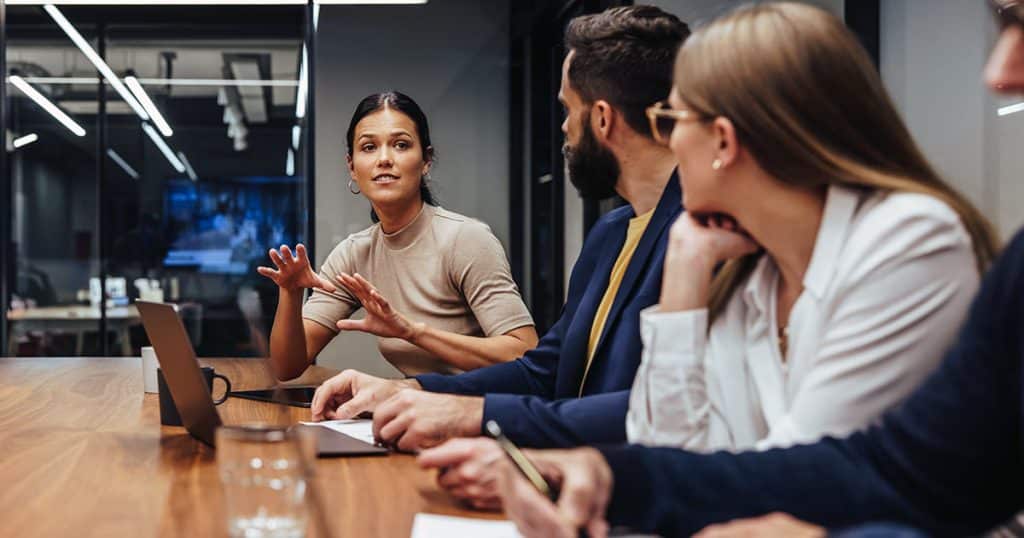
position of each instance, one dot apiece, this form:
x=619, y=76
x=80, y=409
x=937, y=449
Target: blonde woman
x=848, y=263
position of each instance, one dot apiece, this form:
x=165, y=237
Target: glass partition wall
x=158, y=150
x=166, y=177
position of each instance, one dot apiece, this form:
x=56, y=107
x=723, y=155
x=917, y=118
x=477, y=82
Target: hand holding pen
x=554, y=492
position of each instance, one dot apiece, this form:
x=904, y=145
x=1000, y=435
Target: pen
x=519, y=459
x=523, y=464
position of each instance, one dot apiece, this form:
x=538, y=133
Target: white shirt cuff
x=674, y=339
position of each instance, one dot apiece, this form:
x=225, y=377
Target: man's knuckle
x=469, y=475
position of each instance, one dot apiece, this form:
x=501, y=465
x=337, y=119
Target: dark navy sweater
x=949, y=460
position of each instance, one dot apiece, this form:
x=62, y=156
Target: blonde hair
x=807, y=103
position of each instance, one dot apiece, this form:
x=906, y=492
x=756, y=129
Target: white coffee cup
x=149, y=366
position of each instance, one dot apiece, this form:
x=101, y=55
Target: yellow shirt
x=637, y=225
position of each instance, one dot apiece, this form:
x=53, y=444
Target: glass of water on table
x=266, y=471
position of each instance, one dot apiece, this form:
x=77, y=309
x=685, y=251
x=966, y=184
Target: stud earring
x=716, y=164
x=350, y=189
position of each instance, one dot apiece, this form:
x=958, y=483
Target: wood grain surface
x=82, y=453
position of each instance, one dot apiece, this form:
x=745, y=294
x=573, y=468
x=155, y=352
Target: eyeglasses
x=663, y=120
x=1008, y=12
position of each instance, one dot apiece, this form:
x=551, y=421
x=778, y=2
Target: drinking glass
x=265, y=471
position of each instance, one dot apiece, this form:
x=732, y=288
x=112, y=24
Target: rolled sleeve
x=673, y=338
x=669, y=404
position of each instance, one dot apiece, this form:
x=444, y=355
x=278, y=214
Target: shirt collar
x=840, y=209
x=759, y=284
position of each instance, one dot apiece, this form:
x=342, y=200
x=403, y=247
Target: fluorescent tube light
x=366, y=2
x=147, y=103
x=250, y=97
x=47, y=105
x=216, y=82
x=300, y=94
x=296, y=136
x=208, y=2
x=188, y=167
x=171, y=157
x=289, y=165
x=1010, y=109
x=170, y=81
x=101, y=65
x=122, y=163
x=22, y=141
x=154, y=2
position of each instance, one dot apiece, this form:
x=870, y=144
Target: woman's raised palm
x=294, y=272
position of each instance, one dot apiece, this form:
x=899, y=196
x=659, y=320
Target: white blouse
x=889, y=284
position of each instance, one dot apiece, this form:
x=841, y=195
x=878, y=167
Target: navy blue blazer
x=536, y=398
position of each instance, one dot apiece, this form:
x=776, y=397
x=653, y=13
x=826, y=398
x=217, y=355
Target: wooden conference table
x=82, y=453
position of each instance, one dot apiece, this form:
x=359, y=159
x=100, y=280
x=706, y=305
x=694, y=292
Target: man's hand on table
x=404, y=415
x=350, y=393
x=415, y=419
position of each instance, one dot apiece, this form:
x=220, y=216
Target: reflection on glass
x=202, y=163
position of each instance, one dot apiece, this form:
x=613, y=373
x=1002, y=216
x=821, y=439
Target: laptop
x=192, y=396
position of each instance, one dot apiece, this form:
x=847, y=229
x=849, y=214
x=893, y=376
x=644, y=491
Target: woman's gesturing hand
x=381, y=320
x=294, y=272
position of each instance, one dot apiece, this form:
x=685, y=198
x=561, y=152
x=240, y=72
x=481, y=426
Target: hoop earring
x=716, y=164
x=350, y=189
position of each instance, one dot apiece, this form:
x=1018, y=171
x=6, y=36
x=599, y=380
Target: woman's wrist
x=290, y=293
x=687, y=281
x=415, y=332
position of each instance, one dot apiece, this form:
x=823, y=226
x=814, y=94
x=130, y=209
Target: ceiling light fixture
x=101, y=65
x=47, y=105
x=302, y=92
x=122, y=163
x=1010, y=109
x=147, y=103
x=162, y=146
x=23, y=141
x=170, y=81
x=251, y=98
x=289, y=165
x=210, y=2
x=188, y=167
x=367, y=2
x=296, y=136
x=151, y=2
x=216, y=82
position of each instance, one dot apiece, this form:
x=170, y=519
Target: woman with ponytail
x=442, y=298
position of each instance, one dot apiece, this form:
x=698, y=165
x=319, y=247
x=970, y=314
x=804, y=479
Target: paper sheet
x=435, y=526
x=361, y=429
